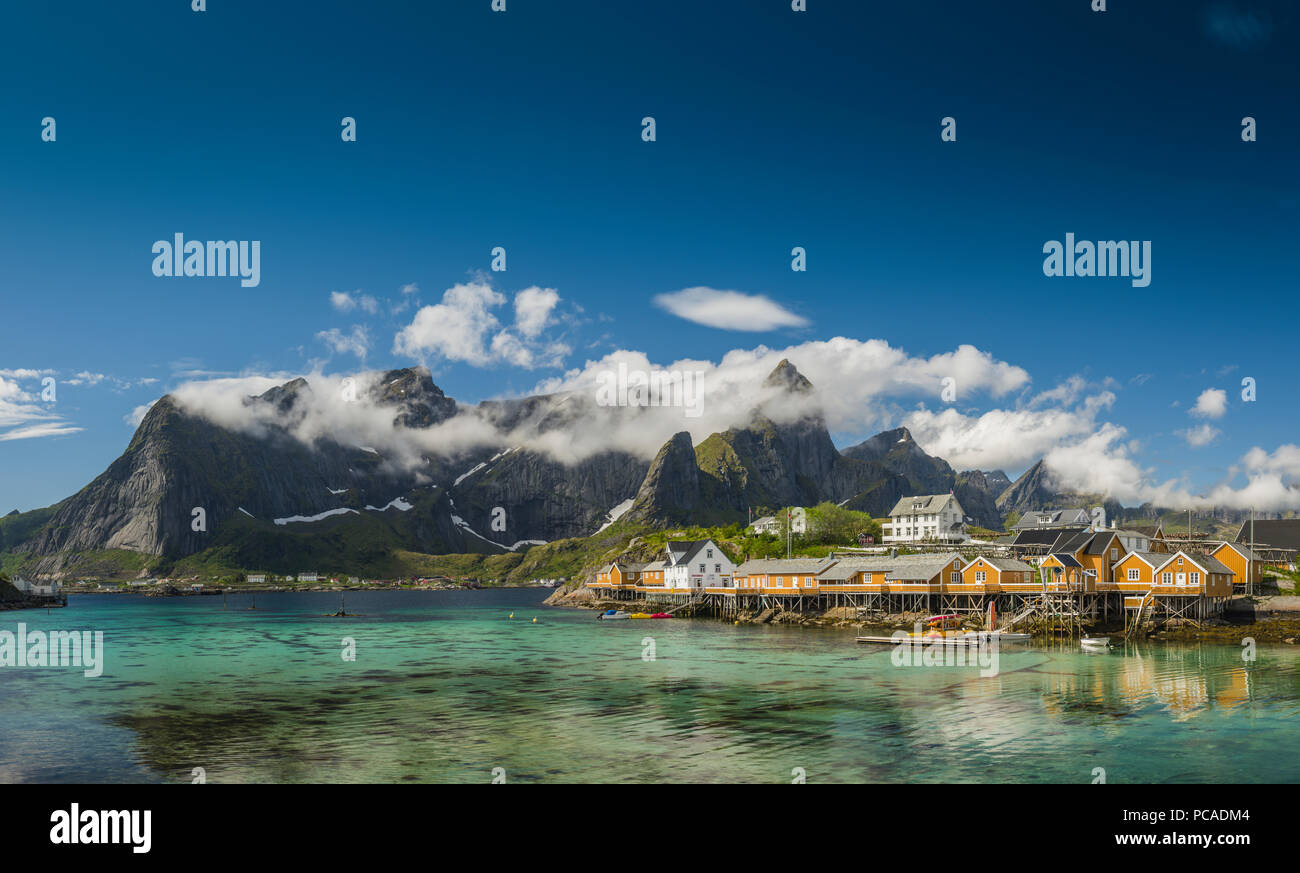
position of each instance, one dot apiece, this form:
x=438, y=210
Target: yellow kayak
x=640, y=615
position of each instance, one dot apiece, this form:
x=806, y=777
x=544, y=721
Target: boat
x=613, y=615
x=662, y=615
x=1095, y=643
x=640, y=615
x=947, y=630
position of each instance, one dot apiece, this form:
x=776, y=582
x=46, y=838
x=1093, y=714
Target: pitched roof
x=654, y=565
x=1100, y=542
x=1066, y=559
x=1280, y=533
x=1042, y=536
x=1242, y=549
x=846, y=567
x=1073, y=541
x=927, y=504
x=1152, y=559
x=684, y=551
x=1039, y=518
x=1003, y=564
x=920, y=567
x=800, y=566
x=1207, y=563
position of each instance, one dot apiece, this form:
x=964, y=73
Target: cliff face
x=670, y=491
x=350, y=499
x=797, y=464
x=177, y=462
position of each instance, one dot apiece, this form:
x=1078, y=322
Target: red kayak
x=662, y=615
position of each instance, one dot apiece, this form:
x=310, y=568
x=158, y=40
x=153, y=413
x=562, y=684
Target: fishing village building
x=1086, y=575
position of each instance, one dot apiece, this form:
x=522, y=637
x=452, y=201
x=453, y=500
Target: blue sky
x=774, y=129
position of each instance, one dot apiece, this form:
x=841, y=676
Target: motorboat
x=613, y=615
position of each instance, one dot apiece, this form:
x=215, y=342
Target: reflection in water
x=445, y=687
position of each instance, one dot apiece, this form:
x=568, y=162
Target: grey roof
x=1041, y=518
x=1043, y=536
x=654, y=565
x=846, y=567
x=1072, y=541
x=1211, y=564
x=926, y=504
x=920, y=567
x=1100, y=541
x=684, y=551
x=1065, y=558
x=1279, y=533
x=800, y=566
x=1155, y=559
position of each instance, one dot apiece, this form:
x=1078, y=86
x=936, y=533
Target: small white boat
x=614, y=615
x=1095, y=643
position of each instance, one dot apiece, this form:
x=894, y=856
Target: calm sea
x=446, y=687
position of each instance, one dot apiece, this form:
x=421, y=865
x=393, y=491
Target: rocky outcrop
x=670, y=492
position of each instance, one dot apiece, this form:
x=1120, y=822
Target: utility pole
x=1250, y=569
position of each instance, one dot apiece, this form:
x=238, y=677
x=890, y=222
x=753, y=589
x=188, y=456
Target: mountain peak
x=788, y=377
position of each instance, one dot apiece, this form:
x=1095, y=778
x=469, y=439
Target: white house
x=694, y=564
x=932, y=518
x=307, y=577
x=257, y=579
x=772, y=523
x=37, y=589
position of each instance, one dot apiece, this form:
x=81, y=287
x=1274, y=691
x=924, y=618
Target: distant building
x=307, y=577
x=928, y=518
x=257, y=579
x=1042, y=519
x=37, y=589
x=772, y=523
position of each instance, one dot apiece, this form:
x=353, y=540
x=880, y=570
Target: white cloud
x=23, y=412
x=1212, y=403
x=465, y=328
x=1008, y=438
x=35, y=431
x=410, y=288
x=345, y=302
x=135, y=416
x=728, y=310
x=533, y=308
x=356, y=343
x=1200, y=436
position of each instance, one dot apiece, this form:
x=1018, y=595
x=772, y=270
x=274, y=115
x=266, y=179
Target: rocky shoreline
x=1266, y=619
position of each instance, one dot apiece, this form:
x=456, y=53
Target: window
x=1194, y=578
x=956, y=577
x=1134, y=574
x=710, y=554
x=981, y=576
x=701, y=568
x=717, y=568
x=1166, y=578
x=1114, y=554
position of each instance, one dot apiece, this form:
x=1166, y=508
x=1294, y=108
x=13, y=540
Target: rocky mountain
x=1036, y=489
x=767, y=464
x=267, y=496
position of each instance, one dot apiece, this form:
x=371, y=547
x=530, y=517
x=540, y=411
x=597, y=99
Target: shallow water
x=445, y=688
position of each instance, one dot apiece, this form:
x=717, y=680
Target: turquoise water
x=445, y=688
